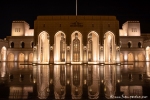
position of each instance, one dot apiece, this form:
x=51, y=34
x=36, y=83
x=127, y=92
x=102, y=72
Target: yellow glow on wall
x=125, y=56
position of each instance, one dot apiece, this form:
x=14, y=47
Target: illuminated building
x=75, y=40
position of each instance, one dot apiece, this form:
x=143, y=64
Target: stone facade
x=126, y=44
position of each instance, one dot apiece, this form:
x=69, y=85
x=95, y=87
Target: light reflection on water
x=74, y=81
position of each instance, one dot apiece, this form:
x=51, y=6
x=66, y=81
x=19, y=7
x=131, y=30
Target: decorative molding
x=76, y=24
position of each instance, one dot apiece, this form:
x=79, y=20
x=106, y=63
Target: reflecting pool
x=80, y=82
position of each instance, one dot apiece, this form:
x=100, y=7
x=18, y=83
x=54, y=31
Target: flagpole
x=76, y=8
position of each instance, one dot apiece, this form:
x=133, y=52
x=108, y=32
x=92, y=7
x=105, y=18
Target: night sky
x=26, y=10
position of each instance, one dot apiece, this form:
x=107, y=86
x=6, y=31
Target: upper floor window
x=129, y=44
x=139, y=45
x=22, y=45
x=12, y=45
x=134, y=29
x=17, y=29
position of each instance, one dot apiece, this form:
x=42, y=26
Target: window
x=43, y=25
x=134, y=29
x=90, y=50
x=62, y=48
x=17, y=29
x=139, y=45
x=129, y=44
x=90, y=45
x=108, y=25
x=22, y=44
x=76, y=49
x=12, y=45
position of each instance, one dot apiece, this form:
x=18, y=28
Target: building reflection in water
x=93, y=81
x=110, y=81
x=75, y=81
x=43, y=81
x=147, y=69
x=3, y=69
x=59, y=81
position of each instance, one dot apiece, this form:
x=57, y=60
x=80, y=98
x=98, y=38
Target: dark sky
x=27, y=10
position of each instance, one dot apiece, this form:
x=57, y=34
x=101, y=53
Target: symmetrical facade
x=75, y=40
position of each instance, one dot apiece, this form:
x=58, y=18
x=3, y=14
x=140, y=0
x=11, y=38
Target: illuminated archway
x=147, y=56
x=141, y=57
x=60, y=47
x=109, y=47
x=121, y=57
x=43, y=47
x=10, y=57
x=76, y=47
x=30, y=57
x=21, y=57
x=148, y=69
x=3, y=53
x=130, y=57
x=93, y=47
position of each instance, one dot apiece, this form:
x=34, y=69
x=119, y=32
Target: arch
x=148, y=69
x=93, y=47
x=76, y=47
x=141, y=57
x=139, y=44
x=60, y=47
x=30, y=57
x=147, y=53
x=21, y=57
x=11, y=44
x=3, y=53
x=90, y=51
x=22, y=44
x=109, y=47
x=121, y=57
x=129, y=44
x=130, y=57
x=43, y=47
x=10, y=57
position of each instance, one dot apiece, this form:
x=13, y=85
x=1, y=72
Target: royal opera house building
x=75, y=57
x=75, y=40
